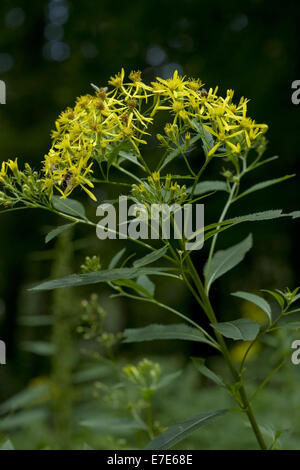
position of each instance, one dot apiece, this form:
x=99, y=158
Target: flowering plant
x=102, y=138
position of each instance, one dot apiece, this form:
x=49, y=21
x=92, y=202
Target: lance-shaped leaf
x=77, y=280
x=116, y=258
x=208, y=186
x=151, y=257
x=159, y=332
x=57, y=231
x=201, y=367
x=178, y=432
x=7, y=445
x=224, y=260
x=68, y=206
x=255, y=299
x=263, y=185
x=241, y=329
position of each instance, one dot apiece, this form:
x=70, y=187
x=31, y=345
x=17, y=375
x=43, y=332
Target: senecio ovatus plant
x=105, y=133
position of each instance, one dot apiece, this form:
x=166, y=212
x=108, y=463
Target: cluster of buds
x=21, y=186
x=158, y=190
x=145, y=375
x=91, y=264
x=92, y=327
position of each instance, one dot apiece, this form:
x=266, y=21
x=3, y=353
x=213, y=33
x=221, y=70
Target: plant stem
x=208, y=309
x=222, y=217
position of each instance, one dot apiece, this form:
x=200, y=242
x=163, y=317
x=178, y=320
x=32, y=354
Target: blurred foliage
x=49, y=53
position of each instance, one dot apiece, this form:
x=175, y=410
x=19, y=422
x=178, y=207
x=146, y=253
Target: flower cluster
x=117, y=119
x=21, y=186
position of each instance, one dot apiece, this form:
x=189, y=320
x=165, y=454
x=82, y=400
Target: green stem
x=246, y=407
x=222, y=217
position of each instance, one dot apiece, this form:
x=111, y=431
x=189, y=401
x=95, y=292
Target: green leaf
x=27, y=397
x=42, y=348
x=159, y=332
x=87, y=447
x=147, y=284
x=116, y=259
x=178, y=432
x=207, y=139
x=295, y=214
x=106, y=275
x=255, y=299
x=199, y=362
x=207, y=186
x=290, y=312
x=133, y=285
x=258, y=216
x=289, y=325
x=57, y=231
x=36, y=320
x=151, y=257
x=241, y=329
x=167, y=379
x=91, y=374
x=68, y=206
x=7, y=445
x=276, y=296
x=113, y=425
x=226, y=224
x=224, y=260
x=23, y=418
x=130, y=157
x=263, y=185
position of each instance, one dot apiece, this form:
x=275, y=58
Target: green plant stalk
x=222, y=217
x=63, y=358
x=236, y=377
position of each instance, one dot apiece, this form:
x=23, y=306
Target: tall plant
x=103, y=135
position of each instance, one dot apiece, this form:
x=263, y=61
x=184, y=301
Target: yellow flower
x=13, y=166
x=3, y=172
x=117, y=80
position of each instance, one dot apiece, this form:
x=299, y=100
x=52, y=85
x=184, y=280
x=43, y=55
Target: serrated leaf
x=255, y=299
x=258, y=216
x=68, y=206
x=178, y=432
x=224, y=260
x=151, y=257
x=207, y=186
x=241, y=329
x=295, y=214
x=161, y=332
x=57, y=231
x=106, y=275
x=199, y=363
x=263, y=185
